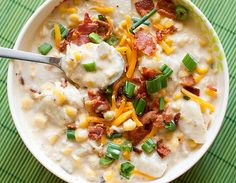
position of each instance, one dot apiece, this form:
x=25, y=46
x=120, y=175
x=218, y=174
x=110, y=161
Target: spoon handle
x=27, y=56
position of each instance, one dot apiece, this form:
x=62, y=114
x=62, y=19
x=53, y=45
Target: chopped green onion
x=161, y=104
x=114, y=135
x=95, y=38
x=90, y=67
x=166, y=70
x=189, y=62
x=64, y=31
x=70, y=133
x=112, y=40
x=109, y=89
x=127, y=146
x=181, y=12
x=129, y=89
x=170, y=126
x=126, y=169
x=156, y=84
x=149, y=145
x=186, y=97
x=45, y=48
x=102, y=17
x=135, y=102
x=136, y=19
x=142, y=20
x=113, y=150
x=140, y=107
x=105, y=161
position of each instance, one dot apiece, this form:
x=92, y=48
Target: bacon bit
x=148, y=73
x=72, y=126
x=166, y=8
x=64, y=83
x=144, y=42
x=141, y=92
x=96, y=132
x=137, y=150
x=104, y=29
x=138, y=135
x=144, y=6
x=187, y=81
x=162, y=33
x=34, y=91
x=138, y=80
x=161, y=149
x=99, y=103
x=22, y=81
x=212, y=88
x=149, y=117
x=177, y=118
x=193, y=90
x=165, y=116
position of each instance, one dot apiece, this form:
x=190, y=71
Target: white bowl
x=25, y=38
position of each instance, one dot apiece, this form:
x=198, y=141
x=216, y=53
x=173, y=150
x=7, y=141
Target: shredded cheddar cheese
x=122, y=118
x=93, y=119
x=103, y=9
x=132, y=65
x=134, y=116
x=121, y=108
x=138, y=172
x=57, y=35
x=151, y=134
x=103, y=140
x=198, y=100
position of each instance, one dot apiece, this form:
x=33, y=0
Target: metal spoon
x=33, y=57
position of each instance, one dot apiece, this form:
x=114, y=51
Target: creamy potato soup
x=150, y=119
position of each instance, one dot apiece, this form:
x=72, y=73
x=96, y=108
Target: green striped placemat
x=217, y=165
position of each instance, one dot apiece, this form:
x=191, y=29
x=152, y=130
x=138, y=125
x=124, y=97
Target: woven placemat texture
x=18, y=165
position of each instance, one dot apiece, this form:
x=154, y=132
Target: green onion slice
x=136, y=19
x=149, y=145
x=113, y=150
x=170, y=126
x=90, y=67
x=127, y=146
x=102, y=18
x=105, y=161
x=181, y=12
x=140, y=107
x=129, y=89
x=189, y=62
x=114, y=135
x=126, y=169
x=142, y=20
x=161, y=104
x=64, y=31
x=45, y=48
x=112, y=40
x=70, y=134
x=156, y=84
x=186, y=97
x=95, y=38
x=166, y=70
x=109, y=89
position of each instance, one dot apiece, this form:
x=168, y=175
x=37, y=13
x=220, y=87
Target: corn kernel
x=71, y=111
x=62, y=8
x=63, y=16
x=60, y=97
x=81, y=135
x=117, y=140
x=26, y=103
x=77, y=160
x=198, y=78
x=167, y=99
x=169, y=42
x=83, y=123
x=162, y=92
x=203, y=108
x=156, y=18
x=90, y=83
x=40, y=121
x=210, y=92
x=77, y=56
x=202, y=70
x=192, y=144
x=202, y=42
x=177, y=96
x=210, y=60
x=129, y=125
x=71, y=10
x=74, y=17
x=126, y=155
x=181, y=137
x=108, y=175
x=66, y=151
x=53, y=139
x=157, y=57
x=158, y=26
x=168, y=50
x=71, y=64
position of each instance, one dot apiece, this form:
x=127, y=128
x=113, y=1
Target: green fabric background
x=217, y=165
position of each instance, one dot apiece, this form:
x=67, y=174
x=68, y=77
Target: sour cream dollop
x=108, y=64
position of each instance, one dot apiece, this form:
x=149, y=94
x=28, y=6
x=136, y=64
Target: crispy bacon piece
x=193, y=90
x=166, y=8
x=144, y=42
x=141, y=92
x=148, y=73
x=137, y=150
x=161, y=34
x=161, y=149
x=144, y=6
x=149, y=117
x=138, y=80
x=22, y=81
x=187, y=81
x=98, y=101
x=96, y=132
x=64, y=83
x=164, y=116
x=177, y=118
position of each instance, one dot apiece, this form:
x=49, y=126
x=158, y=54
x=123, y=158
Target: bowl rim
x=35, y=153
